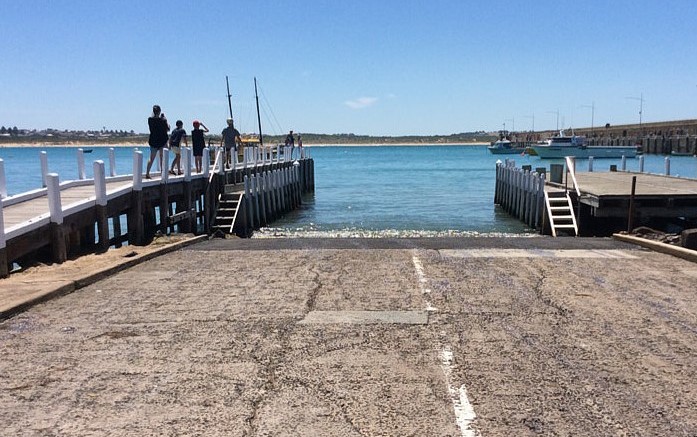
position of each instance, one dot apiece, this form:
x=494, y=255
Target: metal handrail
x=571, y=168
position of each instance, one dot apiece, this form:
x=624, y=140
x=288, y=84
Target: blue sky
x=364, y=67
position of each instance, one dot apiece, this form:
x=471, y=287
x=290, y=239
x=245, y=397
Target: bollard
x=624, y=163
x=220, y=157
x=556, y=172
x=4, y=270
x=667, y=165
x=59, y=248
x=187, y=155
x=137, y=170
x=590, y=164
x=80, y=164
x=641, y=164
x=164, y=177
x=206, y=163
x=101, y=204
x=43, y=157
x=54, y=198
x=112, y=162
x=99, y=182
x=248, y=197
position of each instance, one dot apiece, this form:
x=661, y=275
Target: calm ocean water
x=367, y=191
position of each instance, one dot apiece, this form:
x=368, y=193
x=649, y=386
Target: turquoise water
x=367, y=191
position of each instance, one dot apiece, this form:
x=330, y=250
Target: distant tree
x=15, y=131
x=3, y=130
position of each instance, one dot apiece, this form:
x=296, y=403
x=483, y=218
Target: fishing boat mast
x=229, y=102
x=261, y=138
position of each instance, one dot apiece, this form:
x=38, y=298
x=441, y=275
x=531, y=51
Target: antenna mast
x=261, y=138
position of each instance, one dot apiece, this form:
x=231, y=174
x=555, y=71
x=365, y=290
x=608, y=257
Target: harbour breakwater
x=677, y=137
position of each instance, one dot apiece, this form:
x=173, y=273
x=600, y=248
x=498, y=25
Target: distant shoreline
x=145, y=145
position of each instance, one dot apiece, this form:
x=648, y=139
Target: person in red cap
x=198, y=143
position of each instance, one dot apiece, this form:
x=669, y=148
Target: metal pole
x=261, y=138
x=229, y=102
x=630, y=220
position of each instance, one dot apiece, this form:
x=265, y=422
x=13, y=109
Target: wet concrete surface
x=522, y=336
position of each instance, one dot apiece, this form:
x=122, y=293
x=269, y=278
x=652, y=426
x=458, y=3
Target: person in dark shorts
x=231, y=137
x=157, y=123
x=175, y=140
x=198, y=143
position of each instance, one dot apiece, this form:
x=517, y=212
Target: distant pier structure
x=69, y=218
x=677, y=137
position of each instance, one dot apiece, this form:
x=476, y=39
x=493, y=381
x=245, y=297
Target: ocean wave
x=271, y=232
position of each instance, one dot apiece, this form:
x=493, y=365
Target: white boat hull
x=560, y=152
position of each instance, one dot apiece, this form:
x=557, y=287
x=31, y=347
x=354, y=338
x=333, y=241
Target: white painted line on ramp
x=464, y=413
x=536, y=253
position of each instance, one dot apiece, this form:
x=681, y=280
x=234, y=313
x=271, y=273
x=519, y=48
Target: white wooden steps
x=560, y=211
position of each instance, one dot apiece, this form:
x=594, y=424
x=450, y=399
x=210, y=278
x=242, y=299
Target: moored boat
x=504, y=146
x=563, y=145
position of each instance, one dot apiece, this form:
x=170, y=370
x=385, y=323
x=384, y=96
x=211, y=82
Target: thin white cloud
x=361, y=102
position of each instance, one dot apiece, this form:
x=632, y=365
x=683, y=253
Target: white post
x=43, y=157
x=220, y=157
x=137, y=170
x=624, y=163
x=3, y=182
x=80, y=164
x=99, y=182
x=164, y=176
x=187, y=154
x=255, y=190
x=667, y=165
x=641, y=164
x=3, y=240
x=248, y=196
x=206, y=162
x=112, y=162
x=590, y=164
x=54, y=198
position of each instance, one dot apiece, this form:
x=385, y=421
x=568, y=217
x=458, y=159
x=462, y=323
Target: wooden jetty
x=65, y=219
x=595, y=203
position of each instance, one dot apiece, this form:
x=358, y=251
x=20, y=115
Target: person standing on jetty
x=231, y=138
x=198, y=143
x=290, y=142
x=157, y=123
x=175, y=140
x=300, y=146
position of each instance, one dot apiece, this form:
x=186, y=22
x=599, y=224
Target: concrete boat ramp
x=356, y=337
